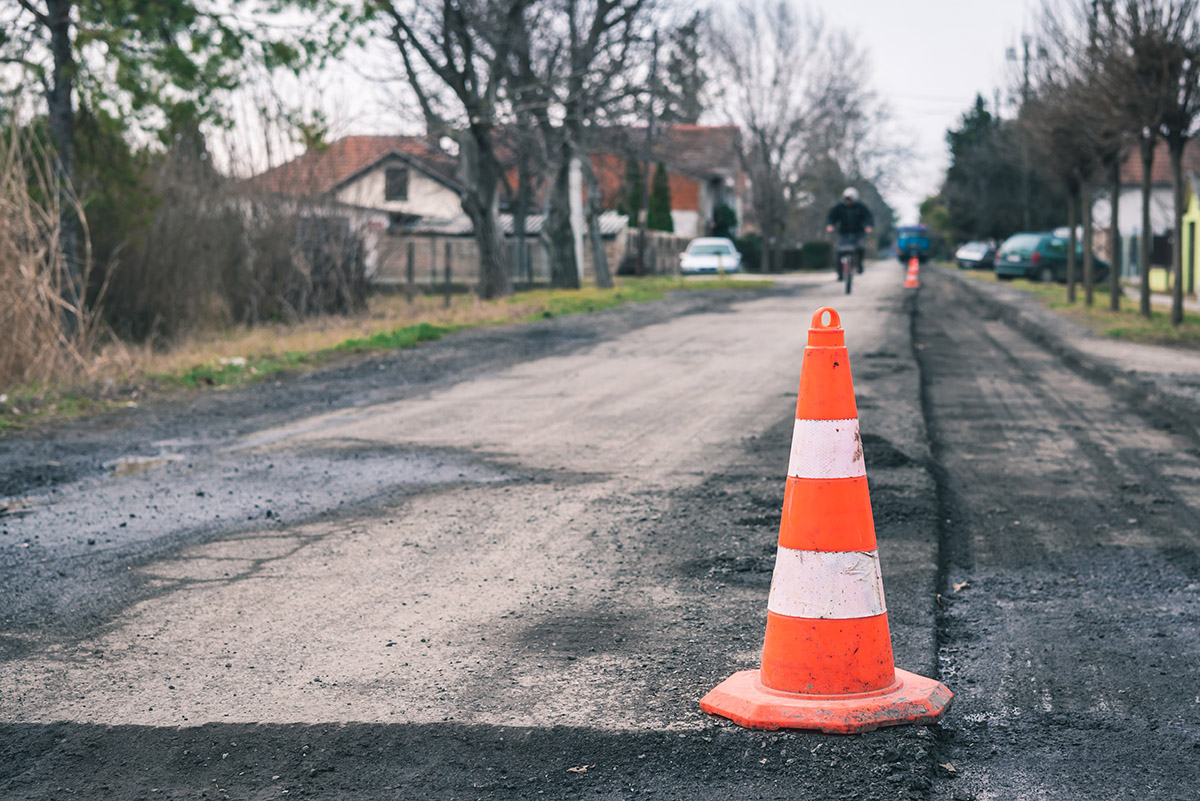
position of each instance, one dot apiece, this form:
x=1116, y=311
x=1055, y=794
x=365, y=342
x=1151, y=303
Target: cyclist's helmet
x=850, y=193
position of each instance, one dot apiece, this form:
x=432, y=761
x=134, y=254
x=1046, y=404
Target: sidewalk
x=1159, y=299
x=1153, y=375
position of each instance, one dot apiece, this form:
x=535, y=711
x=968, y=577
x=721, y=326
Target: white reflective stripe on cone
x=826, y=449
x=826, y=584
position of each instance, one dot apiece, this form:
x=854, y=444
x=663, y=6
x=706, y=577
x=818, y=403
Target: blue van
x=912, y=240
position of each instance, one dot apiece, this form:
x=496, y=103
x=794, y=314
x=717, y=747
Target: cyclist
x=851, y=218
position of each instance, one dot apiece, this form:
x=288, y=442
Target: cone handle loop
x=823, y=334
x=834, y=320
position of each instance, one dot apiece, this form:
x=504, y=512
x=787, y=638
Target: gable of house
x=405, y=174
x=397, y=186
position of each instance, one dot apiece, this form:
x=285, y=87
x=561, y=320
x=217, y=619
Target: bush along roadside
x=21, y=406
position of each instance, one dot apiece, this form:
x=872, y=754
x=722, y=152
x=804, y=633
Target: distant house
x=375, y=185
x=1162, y=211
x=1191, y=224
x=403, y=195
x=405, y=177
x=703, y=165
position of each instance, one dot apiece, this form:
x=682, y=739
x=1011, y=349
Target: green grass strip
x=1126, y=324
x=404, y=337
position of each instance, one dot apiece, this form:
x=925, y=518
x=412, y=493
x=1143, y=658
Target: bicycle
x=848, y=248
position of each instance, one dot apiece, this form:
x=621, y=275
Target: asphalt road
x=508, y=565
x=1071, y=537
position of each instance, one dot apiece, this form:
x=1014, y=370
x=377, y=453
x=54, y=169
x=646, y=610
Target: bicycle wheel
x=848, y=271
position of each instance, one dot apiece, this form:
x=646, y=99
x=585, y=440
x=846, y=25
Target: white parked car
x=710, y=255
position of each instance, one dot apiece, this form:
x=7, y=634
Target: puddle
x=14, y=507
x=131, y=465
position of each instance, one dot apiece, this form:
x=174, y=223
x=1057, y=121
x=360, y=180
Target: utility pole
x=1026, y=41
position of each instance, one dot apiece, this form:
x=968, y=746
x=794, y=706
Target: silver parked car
x=976, y=256
x=710, y=255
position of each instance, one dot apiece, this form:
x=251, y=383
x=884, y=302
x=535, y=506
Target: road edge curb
x=1037, y=324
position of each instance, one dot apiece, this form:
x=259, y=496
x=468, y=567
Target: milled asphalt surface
x=508, y=564
x=1165, y=377
x=1070, y=494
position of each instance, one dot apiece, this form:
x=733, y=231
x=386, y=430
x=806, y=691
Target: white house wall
x=1162, y=210
x=1162, y=220
x=687, y=223
x=426, y=197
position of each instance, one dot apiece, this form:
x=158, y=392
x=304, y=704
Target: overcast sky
x=929, y=58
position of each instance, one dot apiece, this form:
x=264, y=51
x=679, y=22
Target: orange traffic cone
x=914, y=269
x=827, y=656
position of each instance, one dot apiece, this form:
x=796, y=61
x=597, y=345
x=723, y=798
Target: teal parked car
x=1043, y=257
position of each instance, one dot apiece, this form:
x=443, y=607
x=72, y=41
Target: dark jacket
x=850, y=219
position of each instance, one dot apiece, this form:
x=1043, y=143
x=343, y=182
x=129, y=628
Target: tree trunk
x=521, y=211
x=644, y=216
x=1176, y=145
x=595, y=237
x=60, y=103
x=556, y=231
x=777, y=247
x=1114, y=274
x=1089, y=261
x=1072, y=224
x=481, y=202
x=1147, y=146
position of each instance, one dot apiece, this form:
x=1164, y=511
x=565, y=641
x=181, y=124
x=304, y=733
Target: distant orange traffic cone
x=914, y=269
x=827, y=656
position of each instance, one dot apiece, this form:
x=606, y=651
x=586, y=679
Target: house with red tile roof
x=704, y=169
x=1162, y=209
x=379, y=186
x=404, y=176
x=411, y=178
x=397, y=190
x=401, y=194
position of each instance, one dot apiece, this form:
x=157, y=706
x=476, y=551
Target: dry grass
x=384, y=313
x=36, y=347
x=228, y=357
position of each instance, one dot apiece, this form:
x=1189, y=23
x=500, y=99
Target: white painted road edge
x=827, y=585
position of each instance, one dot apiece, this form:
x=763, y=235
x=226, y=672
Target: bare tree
x=1057, y=123
x=1181, y=110
x=1143, y=60
x=456, y=58
x=1108, y=76
x=797, y=91
x=1069, y=127
x=1148, y=60
x=573, y=66
x=767, y=53
x=1104, y=79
